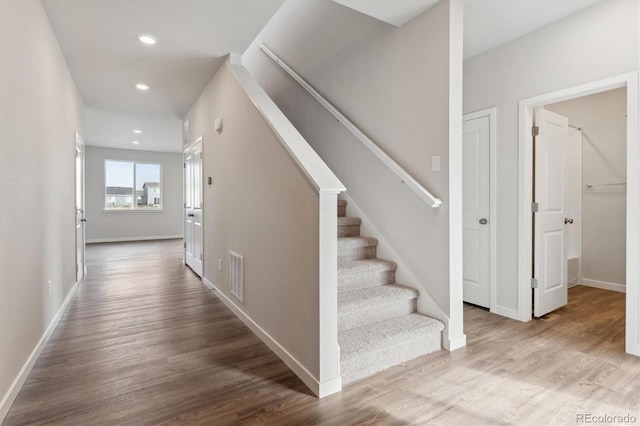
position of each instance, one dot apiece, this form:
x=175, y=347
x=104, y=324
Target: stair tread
x=370, y=337
x=365, y=265
x=344, y=242
x=374, y=296
x=349, y=221
x=342, y=203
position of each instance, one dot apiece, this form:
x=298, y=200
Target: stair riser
x=357, y=367
x=342, y=211
x=375, y=313
x=356, y=253
x=358, y=281
x=348, y=231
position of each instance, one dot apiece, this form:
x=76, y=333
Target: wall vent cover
x=236, y=269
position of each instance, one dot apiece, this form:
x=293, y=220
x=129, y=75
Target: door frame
x=492, y=113
x=525, y=181
x=80, y=142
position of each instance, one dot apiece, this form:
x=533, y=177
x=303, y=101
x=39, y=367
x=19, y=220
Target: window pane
x=119, y=184
x=148, y=186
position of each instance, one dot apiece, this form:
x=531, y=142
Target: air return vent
x=236, y=269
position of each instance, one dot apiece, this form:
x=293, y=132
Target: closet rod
x=589, y=185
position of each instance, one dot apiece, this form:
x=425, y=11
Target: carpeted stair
x=377, y=320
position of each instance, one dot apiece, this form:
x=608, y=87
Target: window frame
x=134, y=207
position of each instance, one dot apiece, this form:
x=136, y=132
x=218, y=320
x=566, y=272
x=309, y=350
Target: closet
x=595, y=189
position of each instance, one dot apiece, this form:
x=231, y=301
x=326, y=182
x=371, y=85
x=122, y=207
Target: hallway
x=144, y=342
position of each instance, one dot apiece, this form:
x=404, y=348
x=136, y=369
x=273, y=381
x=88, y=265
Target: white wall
x=130, y=225
x=395, y=85
x=40, y=111
x=604, y=160
x=597, y=43
x=261, y=206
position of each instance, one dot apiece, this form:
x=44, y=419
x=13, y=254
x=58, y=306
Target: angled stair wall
x=270, y=183
x=408, y=229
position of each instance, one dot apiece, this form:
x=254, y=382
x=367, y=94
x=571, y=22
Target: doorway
x=81, y=267
x=579, y=191
x=526, y=197
x=193, y=207
x=595, y=188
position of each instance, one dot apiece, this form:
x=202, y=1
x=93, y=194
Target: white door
x=475, y=202
x=549, y=235
x=193, y=207
x=81, y=268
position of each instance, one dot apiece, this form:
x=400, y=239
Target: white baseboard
x=455, y=343
x=15, y=387
x=604, y=285
x=326, y=388
x=125, y=239
x=208, y=284
x=321, y=389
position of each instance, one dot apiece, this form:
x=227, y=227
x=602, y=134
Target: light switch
x=435, y=163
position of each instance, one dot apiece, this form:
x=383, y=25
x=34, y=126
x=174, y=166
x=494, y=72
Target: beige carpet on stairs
x=377, y=319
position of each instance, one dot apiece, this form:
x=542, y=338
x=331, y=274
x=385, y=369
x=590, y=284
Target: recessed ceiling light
x=142, y=86
x=137, y=131
x=135, y=142
x=147, y=39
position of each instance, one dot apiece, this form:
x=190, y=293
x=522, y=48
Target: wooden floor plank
x=144, y=342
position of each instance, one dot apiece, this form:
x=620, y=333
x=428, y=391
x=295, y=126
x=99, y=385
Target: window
x=131, y=185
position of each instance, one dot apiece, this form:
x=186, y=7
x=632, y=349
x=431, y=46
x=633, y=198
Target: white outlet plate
x=219, y=264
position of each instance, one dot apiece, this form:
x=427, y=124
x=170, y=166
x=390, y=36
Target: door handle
x=190, y=215
x=83, y=220
x=483, y=221
x=568, y=220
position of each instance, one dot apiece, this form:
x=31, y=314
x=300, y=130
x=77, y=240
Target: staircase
x=378, y=325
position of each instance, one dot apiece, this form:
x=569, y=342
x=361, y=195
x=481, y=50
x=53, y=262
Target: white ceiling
x=394, y=12
x=98, y=40
x=487, y=23
x=115, y=130
x=491, y=23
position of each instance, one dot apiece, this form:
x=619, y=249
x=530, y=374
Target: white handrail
x=388, y=161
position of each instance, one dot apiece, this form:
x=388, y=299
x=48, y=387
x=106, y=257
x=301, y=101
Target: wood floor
x=143, y=342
